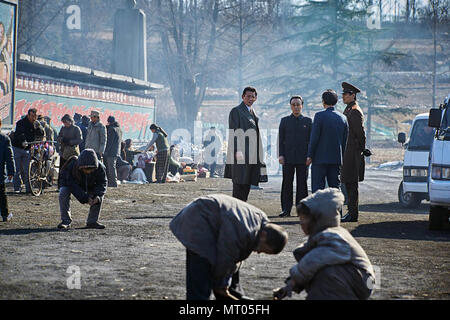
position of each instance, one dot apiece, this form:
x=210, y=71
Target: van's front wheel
x=408, y=199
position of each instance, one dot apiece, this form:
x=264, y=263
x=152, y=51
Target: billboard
x=54, y=98
x=8, y=31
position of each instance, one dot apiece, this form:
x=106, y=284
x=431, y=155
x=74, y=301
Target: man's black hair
x=251, y=89
x=296, y=97
x=330, y=97
x=32, y=110
x=276, y=237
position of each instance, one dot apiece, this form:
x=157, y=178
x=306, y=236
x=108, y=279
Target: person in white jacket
x=330, y=264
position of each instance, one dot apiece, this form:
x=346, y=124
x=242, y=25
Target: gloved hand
x=283, y=292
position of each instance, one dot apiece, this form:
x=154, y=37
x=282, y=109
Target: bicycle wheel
x=34, y=177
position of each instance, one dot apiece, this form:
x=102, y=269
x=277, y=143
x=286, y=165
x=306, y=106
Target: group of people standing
x=92, y=156
x=333, y=144
x=86, y=175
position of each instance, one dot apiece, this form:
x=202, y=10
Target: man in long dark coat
x=353, y=165
x=245, y=152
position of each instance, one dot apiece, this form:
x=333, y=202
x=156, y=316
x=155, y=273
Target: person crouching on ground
x=85, y=178
x=219, y=232
x=331, y=264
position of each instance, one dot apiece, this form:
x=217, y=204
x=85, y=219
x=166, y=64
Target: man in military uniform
x=353, y=165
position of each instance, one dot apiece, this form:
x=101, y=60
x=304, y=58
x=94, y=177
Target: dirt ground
x=137, y=257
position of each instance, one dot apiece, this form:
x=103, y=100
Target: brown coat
x=354, y=164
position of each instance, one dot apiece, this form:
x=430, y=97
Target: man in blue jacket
x=85, y=178
x=293, y=139
x=327, y=145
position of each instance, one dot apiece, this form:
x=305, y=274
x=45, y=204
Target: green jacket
x=162, y=144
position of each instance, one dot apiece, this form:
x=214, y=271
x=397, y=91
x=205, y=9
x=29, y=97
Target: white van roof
x=422, y=116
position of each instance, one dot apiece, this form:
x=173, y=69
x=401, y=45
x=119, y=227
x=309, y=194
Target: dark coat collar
x=299, y=117
x=351, y=104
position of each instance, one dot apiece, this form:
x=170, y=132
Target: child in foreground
x=330, y=264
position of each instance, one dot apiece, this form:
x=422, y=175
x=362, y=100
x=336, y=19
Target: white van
x=414, y=186
x=439, y=179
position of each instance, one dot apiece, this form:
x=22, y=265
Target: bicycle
x=40, y=169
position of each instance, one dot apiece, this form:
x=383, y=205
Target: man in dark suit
x=327, y=144
x=354, y=164
x=245, y=152
x=293, y=139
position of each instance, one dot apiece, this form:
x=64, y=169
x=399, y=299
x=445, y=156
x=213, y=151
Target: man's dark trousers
x=320, y=172
x=352, y=192
x=198, y=277
x=3, y=201
x=301, y=172
x=241, y=191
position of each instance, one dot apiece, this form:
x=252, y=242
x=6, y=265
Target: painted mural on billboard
x=54, y=98
x=7, y=47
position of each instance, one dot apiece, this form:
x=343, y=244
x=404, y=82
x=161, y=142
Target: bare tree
x=188, y=33
x=245, y=23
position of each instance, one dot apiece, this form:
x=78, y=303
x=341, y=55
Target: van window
x=421, y=136
x=446, y=119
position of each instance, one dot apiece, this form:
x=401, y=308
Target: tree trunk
x=241, y=50
x=434, y=54
x=380, y=2
x=187, y=72
x=407, y=11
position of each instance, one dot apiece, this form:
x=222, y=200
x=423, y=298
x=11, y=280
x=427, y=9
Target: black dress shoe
x=284, y=214
x=95, y=225
x=349, y=218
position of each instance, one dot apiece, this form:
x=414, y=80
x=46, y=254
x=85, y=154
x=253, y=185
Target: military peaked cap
x=349, y=88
